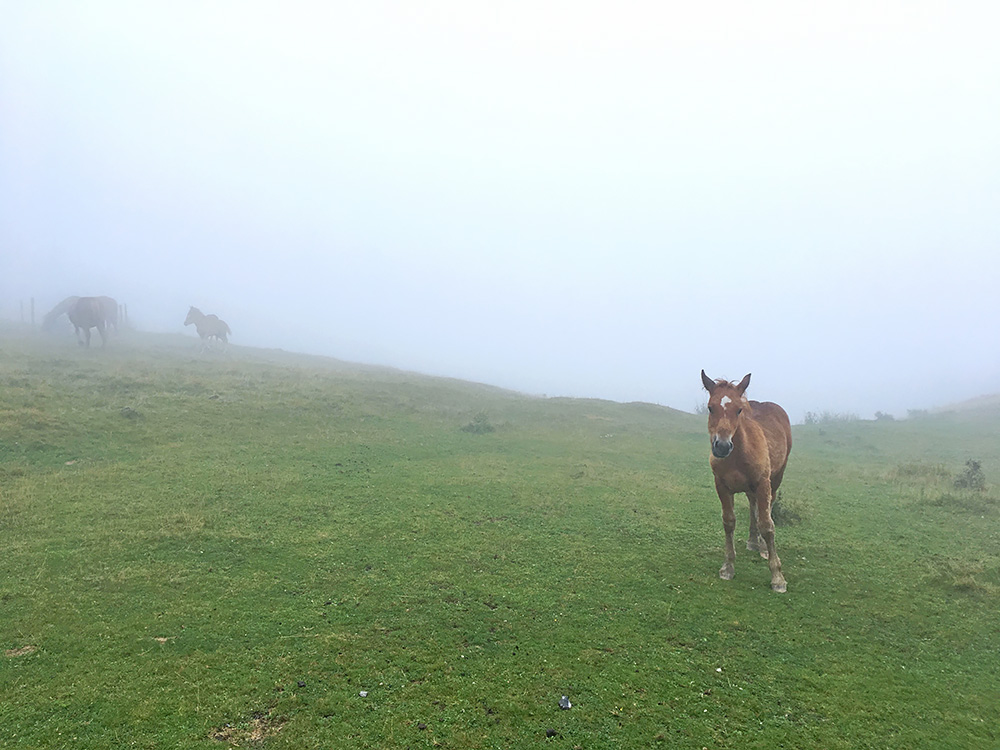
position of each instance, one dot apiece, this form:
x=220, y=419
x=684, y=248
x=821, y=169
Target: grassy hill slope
x=205, y=550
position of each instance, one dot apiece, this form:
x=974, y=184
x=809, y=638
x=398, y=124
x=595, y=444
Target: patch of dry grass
x=259, y=727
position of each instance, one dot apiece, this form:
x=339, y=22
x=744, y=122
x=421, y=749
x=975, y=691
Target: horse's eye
x=739, y=411
x=711, y=410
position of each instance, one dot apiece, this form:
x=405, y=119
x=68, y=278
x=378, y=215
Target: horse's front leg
x=766, y=527
x=755, y=543
x=728, y=569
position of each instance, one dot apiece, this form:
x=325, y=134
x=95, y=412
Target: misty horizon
x=63, y=330
x=590, y=201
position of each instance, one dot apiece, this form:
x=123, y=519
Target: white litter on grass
x=363, y=693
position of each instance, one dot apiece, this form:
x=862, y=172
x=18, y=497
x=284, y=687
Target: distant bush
x=972, y=478
x=479, y=425
x=881, y=416
x=968, y=492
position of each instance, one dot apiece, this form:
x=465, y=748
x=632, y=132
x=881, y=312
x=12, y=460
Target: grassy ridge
x=217, y=550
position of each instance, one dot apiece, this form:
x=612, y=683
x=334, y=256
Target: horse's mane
x=722, y=382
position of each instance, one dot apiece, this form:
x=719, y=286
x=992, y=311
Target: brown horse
x=208, y=326
x=751, y=441
x=87, y=313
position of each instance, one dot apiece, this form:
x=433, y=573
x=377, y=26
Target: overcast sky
x=571, y=198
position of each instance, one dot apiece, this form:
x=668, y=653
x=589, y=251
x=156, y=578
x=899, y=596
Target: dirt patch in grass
x=258, y=728
x=23, y=651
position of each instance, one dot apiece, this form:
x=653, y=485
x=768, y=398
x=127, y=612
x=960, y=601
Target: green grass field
x=259, y=549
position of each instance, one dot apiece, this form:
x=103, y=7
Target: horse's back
x=777, y=429
x=212, y=325
x=87, y=313
x=218, y=326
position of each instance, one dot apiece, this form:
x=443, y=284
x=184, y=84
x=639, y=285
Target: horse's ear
x=707, y=382
x=743, y=384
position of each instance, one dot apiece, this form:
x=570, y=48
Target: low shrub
x=479, y=425
x=972, y=478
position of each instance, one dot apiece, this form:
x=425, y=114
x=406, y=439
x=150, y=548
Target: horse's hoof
x=763, y=553
x=779, y=588
x=726, y=573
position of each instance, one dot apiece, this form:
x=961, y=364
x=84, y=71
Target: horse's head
x=726, y=407
x=194, y=314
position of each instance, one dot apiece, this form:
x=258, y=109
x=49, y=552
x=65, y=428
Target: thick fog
x=590, y=199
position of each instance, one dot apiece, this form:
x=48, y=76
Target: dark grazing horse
x=87, y=313
x=109, y=311
x=208, y=326
x=751, y=441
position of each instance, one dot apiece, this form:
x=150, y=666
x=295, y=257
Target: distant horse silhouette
x=208, y=326
x=87, y=313
x=108, y=313
x=751, y=441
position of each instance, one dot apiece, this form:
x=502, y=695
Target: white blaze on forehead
x=726, y=401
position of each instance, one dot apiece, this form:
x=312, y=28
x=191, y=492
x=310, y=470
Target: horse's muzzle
x=721, y=448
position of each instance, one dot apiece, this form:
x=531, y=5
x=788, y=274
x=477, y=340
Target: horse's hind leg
x=755, y=542
x=766, y=527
